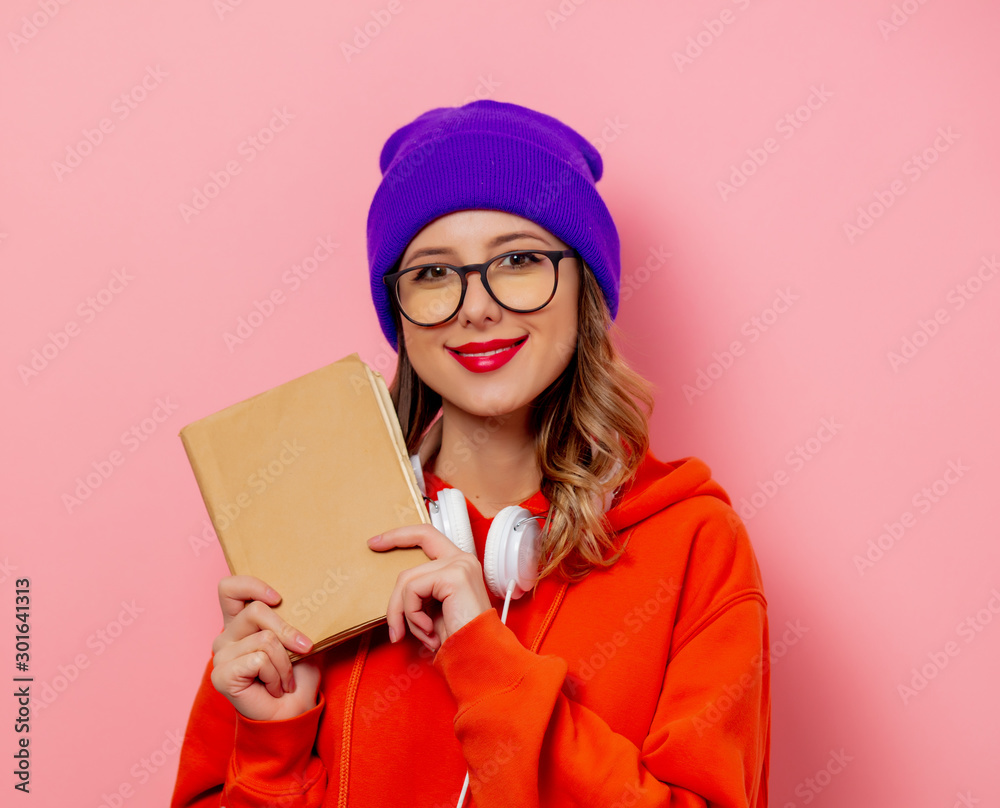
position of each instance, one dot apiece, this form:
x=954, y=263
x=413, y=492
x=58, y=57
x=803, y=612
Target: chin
x=488, y=408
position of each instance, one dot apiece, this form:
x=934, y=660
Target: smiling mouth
x=490, y=353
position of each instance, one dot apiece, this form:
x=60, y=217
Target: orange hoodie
x=644, y=684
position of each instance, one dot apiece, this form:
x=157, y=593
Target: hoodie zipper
x=352, y=692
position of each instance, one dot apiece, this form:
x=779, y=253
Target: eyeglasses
x=522, y=282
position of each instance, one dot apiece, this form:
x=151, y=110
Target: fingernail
x=302, y=642
x=392, y=634
x=270, y=594
x=374, y=539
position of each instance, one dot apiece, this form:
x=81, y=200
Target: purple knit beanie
x=493, y=156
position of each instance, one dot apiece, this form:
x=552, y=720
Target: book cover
x=296, y=479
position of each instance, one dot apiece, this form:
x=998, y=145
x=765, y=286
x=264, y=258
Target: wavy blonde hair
x=591, y=428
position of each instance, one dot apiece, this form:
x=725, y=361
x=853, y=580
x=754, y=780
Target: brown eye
x=520, y=260
x=432, y=273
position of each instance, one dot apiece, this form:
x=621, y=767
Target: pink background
x=670, y=132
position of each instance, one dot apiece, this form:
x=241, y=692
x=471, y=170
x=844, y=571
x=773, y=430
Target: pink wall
x=821, y=111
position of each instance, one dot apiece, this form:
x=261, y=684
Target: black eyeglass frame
x=391, y=280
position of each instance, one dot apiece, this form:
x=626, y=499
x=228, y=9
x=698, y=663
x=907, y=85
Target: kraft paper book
x=296, y=479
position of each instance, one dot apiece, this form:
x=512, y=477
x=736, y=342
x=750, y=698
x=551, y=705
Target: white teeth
x=487, y=353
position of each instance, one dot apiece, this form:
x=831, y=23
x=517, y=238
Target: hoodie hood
x=655, y=486
x=658, y=485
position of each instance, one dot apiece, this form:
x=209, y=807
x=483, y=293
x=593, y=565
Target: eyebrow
x=498, y=241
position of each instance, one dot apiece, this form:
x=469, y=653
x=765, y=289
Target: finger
x=256, y=617
x=261, y=665
x=421, y=626
x=395, y=617
x=236, y=590
x=273, y=681
x=427, y=537
x=239, y=676
x=275, y=672
x=414, y=607
x=424, y=592
x=430, y=641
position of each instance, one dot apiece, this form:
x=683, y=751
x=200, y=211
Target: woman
x=635, y=670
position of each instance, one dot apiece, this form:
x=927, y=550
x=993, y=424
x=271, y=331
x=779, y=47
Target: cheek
x=416, y=349
x=426, y=356
x=558, y=349
x=565, y=333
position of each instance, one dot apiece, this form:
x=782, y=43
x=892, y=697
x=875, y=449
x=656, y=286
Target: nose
x=479, y=307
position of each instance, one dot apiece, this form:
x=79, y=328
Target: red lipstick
x=481, y=357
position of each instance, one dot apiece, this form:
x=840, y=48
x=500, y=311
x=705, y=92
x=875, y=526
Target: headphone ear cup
x=451, y=517
x=418, y=472
x=511, y=551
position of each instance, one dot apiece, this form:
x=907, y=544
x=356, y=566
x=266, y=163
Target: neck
x=490, y=459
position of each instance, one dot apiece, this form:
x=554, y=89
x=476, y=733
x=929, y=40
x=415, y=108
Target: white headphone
x=510, y=558
x=511, y=553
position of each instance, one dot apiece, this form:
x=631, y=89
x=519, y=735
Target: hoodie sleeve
x=228, y=759
x=528, y=743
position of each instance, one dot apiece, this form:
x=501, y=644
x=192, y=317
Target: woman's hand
x=251, y=667
x=437, y=598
